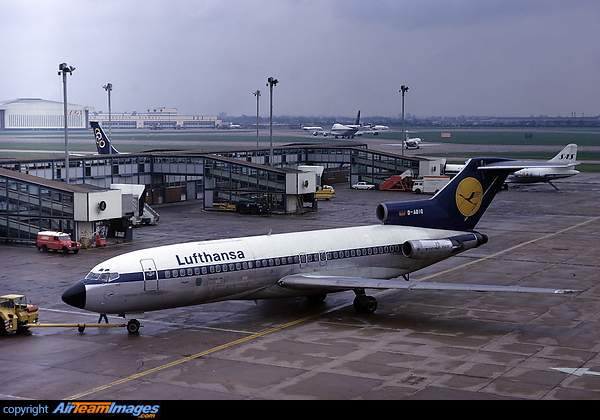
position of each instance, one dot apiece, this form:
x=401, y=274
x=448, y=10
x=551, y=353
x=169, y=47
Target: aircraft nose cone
x=75, y=295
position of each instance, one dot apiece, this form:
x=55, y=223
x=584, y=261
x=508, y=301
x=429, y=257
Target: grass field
x=511, y=137
x=538, y=137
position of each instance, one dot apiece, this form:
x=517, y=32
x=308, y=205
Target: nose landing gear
x=133, y=326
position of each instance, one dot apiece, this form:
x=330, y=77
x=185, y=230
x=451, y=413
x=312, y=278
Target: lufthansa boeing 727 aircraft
x=412, y=235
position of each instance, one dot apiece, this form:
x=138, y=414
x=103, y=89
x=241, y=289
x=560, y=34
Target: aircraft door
x=150, y=275
x=303, y=260
x=322, y=258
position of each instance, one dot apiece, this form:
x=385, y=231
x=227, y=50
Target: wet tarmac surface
x=418, y=345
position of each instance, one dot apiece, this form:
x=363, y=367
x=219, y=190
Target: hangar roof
x=36, y=103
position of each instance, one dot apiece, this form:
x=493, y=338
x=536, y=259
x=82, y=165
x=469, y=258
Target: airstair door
x=150, y=275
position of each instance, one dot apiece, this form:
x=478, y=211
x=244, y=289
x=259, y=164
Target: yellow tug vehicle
x=17, y=315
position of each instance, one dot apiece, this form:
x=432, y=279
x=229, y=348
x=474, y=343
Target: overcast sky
x=331, y=57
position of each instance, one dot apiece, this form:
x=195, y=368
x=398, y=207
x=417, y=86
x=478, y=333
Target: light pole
x=63, y=69
x=403, y=89
x=108, y=87
x=257, y=94
x=271, y=82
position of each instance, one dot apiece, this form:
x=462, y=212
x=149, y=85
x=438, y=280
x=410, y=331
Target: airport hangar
x=34, y=195
x=41, y=114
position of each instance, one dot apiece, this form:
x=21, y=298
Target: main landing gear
x=364, y=304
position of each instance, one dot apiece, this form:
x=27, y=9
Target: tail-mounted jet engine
x=441, y=248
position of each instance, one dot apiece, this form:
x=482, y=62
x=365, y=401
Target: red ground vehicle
x=57, y=241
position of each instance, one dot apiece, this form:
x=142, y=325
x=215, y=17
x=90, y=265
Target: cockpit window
x=103, y=276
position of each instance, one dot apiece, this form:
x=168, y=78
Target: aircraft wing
x=520, y=164
x=314, y=281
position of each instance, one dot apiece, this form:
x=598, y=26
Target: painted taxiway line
x=512, y=248
x=205, y=352
x=308, y=318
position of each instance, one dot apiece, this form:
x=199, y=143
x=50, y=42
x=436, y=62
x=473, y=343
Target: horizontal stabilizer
x=317, y=282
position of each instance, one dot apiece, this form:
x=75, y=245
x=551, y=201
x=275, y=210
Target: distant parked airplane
x=560, y=166
x=528, y=172
x=345, y=131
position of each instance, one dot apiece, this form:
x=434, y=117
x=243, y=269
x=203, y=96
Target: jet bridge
x=32, y=198
x=29, y=204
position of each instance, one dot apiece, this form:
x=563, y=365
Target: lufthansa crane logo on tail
x=469, y=194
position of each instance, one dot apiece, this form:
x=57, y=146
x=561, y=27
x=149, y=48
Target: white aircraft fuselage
x=251, y=267
x=344, y=130
x=531, y=175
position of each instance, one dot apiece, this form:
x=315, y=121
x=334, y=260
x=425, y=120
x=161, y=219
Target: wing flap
x=339, y=283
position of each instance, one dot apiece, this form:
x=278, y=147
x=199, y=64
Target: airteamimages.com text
x=141, y=411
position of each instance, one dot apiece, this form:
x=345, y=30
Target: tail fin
x=457, y=206
x=357, y=118
x=566, y=155
x=102, y=141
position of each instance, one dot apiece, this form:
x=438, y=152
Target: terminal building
x=35, y=196
x=157, y=119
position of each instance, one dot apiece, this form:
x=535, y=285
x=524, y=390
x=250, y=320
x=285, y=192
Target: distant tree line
x=463, y=121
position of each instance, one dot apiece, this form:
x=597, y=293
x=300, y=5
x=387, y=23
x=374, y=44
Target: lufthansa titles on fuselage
x=207, y=258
